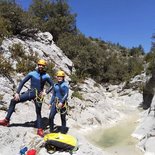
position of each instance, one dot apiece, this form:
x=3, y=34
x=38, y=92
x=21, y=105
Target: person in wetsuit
x=59, y=101
x=37, y=78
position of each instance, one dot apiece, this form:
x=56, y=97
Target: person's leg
x=38, y=106
x=28, y=95
x=23, y=97
x=63, y=120
x=51, y=117
x=11, y=109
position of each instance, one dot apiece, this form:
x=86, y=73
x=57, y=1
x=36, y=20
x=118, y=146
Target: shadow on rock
x=31, y=124
x=59, y=129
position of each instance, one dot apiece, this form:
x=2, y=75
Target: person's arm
x=53, y=97
x=16, y=96
x=27, y=77
x=50, y=81
x=65, y=92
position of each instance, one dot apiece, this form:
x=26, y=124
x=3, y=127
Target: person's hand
x=43, y=93
x=16, y=97
x=60, y=105
x=49, y=105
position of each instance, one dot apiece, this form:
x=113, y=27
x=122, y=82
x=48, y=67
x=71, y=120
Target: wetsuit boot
x=4, y=122
x=40, y=132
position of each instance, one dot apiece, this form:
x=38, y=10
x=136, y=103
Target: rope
x=39, y=98
x=59, y=110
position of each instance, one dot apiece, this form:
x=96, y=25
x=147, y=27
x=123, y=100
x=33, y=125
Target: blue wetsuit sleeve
x=51, y=85
x=27, y=77
x=53, y=97
x=65, y=92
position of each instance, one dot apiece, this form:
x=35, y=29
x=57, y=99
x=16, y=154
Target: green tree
x=150, y=57
x=41, y=9
x=55, y=15
x=137, y=51
x=5, y=67
x=13, y=14
x=4, y=28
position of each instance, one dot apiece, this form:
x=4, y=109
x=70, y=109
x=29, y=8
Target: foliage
x=17, y=51
x=55, y=16
x=77, y=95
x=92, y=57
x=25, y=63
x=24, y=66
x=18, y=19
x=135, y=66
x=5, y=66
x=4, y=28
x=13, y=14
x=50, y=66
x=150, y=59
x=75, y=79
x=137, y=51
x=99, y=60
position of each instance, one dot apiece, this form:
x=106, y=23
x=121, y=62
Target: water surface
x=117, y=140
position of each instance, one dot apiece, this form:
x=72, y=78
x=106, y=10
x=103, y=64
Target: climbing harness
x=39, y=98
x=62, y=110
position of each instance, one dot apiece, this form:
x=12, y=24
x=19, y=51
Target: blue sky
x=127, y=22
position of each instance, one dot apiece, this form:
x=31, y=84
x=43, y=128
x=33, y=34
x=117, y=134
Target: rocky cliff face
x=21, y=131
x=99, y=107
x=43, y=45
